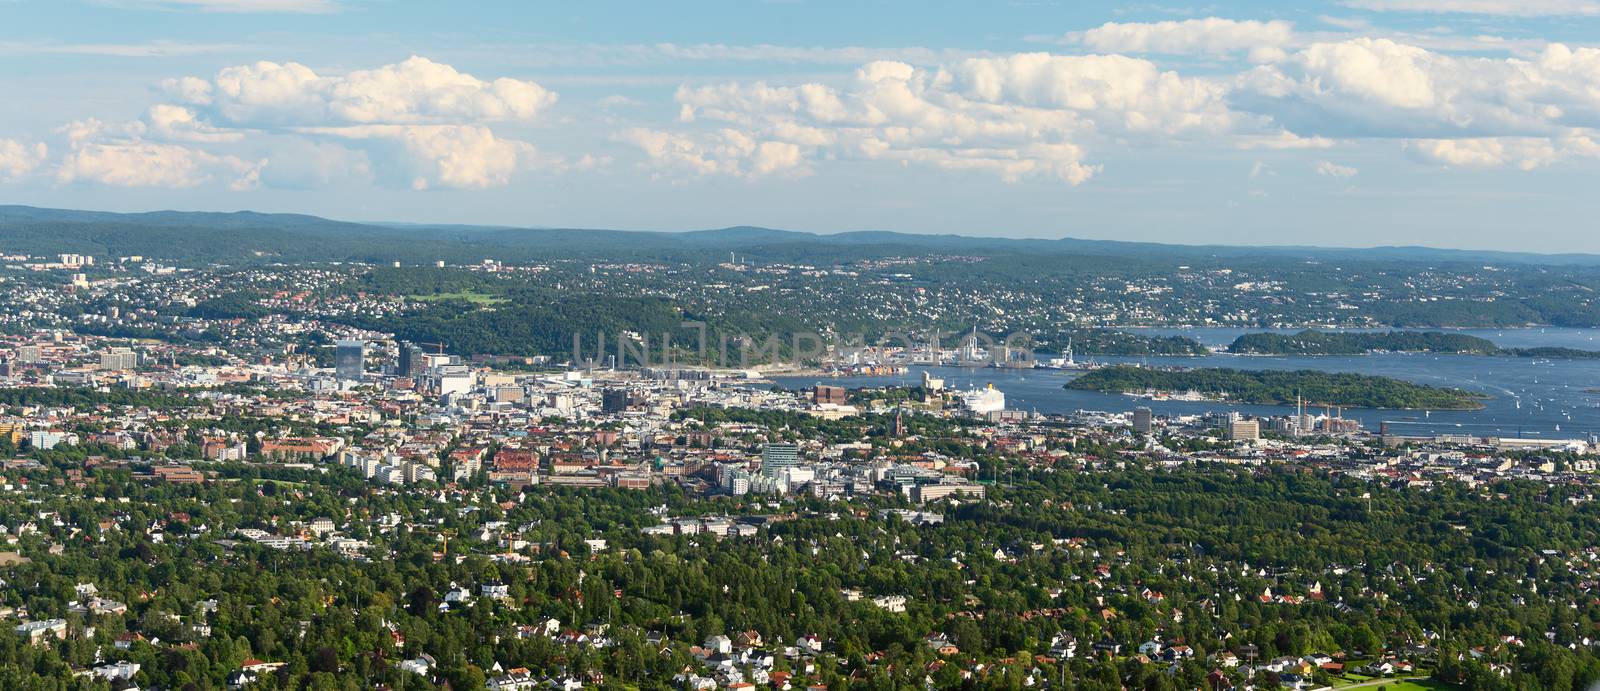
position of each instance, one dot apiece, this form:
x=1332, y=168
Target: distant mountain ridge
x=304, y=237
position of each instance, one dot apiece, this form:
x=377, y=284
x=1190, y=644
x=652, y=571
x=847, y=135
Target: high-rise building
x=835, y=395
x=119, y=359
x=1244, y=430
x=28, y=354
x=613, y=401
x=1142, y=420
x=778, y=457
x=411, y=362
x=349, y=359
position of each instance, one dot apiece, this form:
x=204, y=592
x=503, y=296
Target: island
x=1280, y=387
x=1312, y=342
x=1113, y=342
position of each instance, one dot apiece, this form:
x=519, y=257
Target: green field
x=1418, y=685
x=1356, y=681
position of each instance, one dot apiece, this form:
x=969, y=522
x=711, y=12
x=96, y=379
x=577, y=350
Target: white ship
x=1068, y=363
x=983, y=401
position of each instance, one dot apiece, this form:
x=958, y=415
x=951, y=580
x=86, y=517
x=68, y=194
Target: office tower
x=119, y=359
x=613, y=401
x=835, y=395
x=412, y=361
x=1244, y=430
x=1142, y=419
x=777, y=457
x=349, y=359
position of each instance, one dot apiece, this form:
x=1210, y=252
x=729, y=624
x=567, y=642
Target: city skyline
x=1446, y=123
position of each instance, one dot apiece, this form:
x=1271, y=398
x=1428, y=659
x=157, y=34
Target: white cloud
x=1523, y=153
x=18, y=159
x=1380, y=88
x=1510, y=8
x=147, y=164
x=439, y=156
x=1263, y=41
x=1013, y=116
x=724, y=152
x=1038, y=114
x=176, y=123
x=1334, y=170
x=414, y=91
x=1115, y=92
x=415, y=123
x=1281, y=141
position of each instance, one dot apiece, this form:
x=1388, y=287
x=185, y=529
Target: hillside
x=1280, y=387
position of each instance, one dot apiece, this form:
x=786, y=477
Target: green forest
x=1268, y=387
x=1311, y=342
x=1056, y=554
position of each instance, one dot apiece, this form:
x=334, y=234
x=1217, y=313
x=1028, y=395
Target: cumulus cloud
x=149, y=164
x=724, y=152
x=1334, y=170
x=1013, y=116
x=416, y=123
x=151, y=152
x=1041, y=115
x=1509, y=8
x=438, y=156
x=1524, y=153
x=18, y=159
x=176, y=123
x=1262, y=41
x=414, y=91
x=1379, y=88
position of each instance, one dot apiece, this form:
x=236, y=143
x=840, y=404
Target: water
x=1529, y=397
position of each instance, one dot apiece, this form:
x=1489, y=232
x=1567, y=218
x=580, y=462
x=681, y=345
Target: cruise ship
x=983, y=401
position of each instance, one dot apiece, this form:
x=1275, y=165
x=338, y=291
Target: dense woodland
x=1280, y=387
x=1312, y=342
x=1445, y=570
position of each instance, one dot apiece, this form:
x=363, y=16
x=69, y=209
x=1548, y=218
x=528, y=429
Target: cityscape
x=444, y=381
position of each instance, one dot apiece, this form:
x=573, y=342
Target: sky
x=1448, y=123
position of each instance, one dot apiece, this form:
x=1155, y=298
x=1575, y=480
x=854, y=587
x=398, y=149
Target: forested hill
x=245, y=237
x=1281, y=388
x=869, y=281
x=1357, y=343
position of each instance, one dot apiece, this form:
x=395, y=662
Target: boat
x=1067, y=363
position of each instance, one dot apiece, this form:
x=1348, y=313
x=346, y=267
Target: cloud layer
x=1215, y=85
x=414, y=124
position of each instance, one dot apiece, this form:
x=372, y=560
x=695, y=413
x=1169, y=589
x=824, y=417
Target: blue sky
x=1453, y=123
